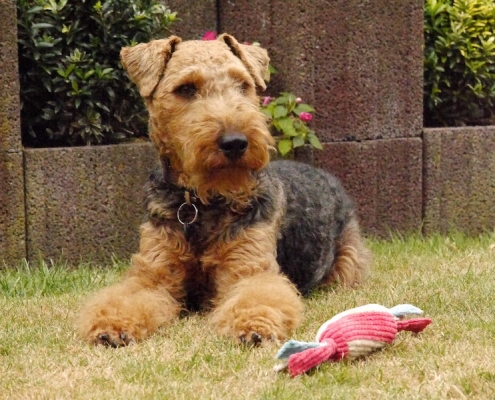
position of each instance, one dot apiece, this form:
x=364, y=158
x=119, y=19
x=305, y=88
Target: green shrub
x=73, y=88
x=459, y=71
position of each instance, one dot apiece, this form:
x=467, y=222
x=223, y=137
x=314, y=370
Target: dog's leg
x=146, y=299
x=263, y=306
x=254, y=300
x=352, y=257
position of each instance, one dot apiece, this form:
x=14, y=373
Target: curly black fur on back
x=316, y=212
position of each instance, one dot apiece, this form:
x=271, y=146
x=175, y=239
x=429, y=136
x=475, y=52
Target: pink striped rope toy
x=351, y=334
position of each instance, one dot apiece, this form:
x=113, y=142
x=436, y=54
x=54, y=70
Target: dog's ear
x=254, y=58
x=145, y=63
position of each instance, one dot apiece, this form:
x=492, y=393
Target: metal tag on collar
x=187, y=203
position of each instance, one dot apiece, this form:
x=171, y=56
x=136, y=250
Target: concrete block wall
x=195, y=17
x=12, y=221
x=384, y=177
x=459, y=179
x=360, y=64
x=86, y=203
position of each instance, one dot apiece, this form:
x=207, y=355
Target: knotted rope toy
x=351, y=334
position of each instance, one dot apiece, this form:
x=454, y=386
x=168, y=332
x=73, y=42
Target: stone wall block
x=195, y=17
x=459, y=179
x=384, y=177
x=12, y=222
x=358, y=62
x=85, y=203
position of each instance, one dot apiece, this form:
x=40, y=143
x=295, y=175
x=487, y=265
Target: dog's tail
x=352, y=258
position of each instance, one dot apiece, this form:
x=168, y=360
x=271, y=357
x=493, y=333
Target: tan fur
x=238, y=276
x=145, y=63
x=226, y=74
x=147, y=298
x=352, y=259
x=264, y=303
x=195, y=155
x=252, y=295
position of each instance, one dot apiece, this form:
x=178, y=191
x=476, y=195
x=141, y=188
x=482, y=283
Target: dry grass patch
x=451, y=279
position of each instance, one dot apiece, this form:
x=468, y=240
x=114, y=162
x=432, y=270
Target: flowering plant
x=209, y=35
x=289, y=117
x=287, y=114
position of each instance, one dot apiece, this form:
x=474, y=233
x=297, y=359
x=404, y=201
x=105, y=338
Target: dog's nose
x=233, y=145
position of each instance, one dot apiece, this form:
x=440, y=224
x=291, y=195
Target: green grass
x=451, y=279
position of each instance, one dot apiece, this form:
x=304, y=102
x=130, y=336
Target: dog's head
x=204, y=110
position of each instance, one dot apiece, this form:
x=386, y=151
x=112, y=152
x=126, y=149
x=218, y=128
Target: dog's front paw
x=112, y=320
x=112, y=339
x=262, y=308
x=256, y=325
x=254, y=338
x=108, y=327
x=253, y=325
x=118, y=316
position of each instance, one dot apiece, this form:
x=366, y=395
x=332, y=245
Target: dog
x=226, y=229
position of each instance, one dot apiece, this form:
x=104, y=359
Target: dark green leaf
x=44, y=44
x=41, y=25
x=34, y=10
x=69, y=70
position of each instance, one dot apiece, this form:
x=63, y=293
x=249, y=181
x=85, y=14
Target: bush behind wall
x=73, y=88
x=459, y=62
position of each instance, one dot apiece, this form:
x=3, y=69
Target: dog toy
x=351, y=334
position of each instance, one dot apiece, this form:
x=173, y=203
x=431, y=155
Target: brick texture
x=384, y=177
x=358, y=61
x=459, y=179
x=85, y=203
x=12, y=222
x=195, y=17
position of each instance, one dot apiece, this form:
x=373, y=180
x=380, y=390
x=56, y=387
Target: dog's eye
x=245, y=87
x=187, y=90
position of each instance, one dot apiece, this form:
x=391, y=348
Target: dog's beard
x=235, y=185
x=211, y=174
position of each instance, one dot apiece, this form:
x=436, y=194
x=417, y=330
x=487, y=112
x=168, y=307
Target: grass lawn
x=451, y=278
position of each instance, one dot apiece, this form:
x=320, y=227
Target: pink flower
x=209, y=35
x=266, y=101
x=305, y=116
x=298, y=100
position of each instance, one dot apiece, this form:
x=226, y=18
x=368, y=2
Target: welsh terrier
x=226, y=229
